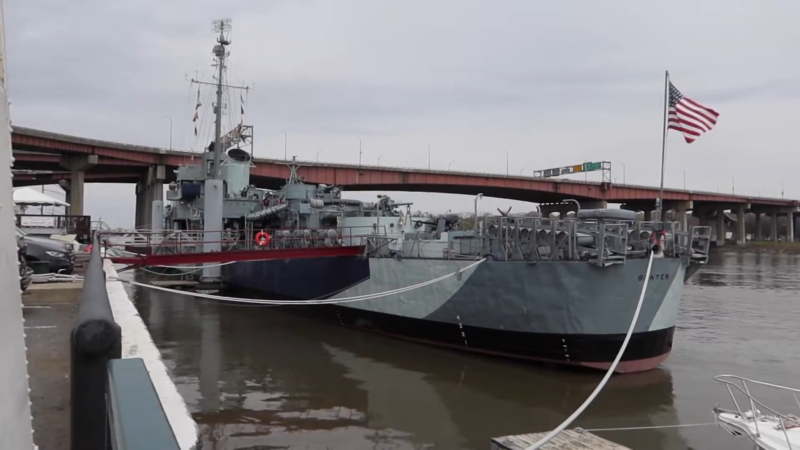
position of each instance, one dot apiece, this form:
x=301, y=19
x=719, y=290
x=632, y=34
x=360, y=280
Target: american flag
x=689, y=117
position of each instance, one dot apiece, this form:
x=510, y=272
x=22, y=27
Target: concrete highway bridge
x=42, y=157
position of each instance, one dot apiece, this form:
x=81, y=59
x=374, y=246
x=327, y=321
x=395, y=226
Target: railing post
x=95, y=339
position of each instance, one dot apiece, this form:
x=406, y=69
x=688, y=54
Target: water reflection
x=258, y=377
x=749, y=270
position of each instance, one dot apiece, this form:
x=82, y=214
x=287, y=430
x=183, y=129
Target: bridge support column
x=774, y=226
x=720, y=228
x=149, y=188
x=759, y=236
x=741, y=232
x=790, y=227
x=680, y=208
x=77, y=165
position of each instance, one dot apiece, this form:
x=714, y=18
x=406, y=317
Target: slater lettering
x=656, y=276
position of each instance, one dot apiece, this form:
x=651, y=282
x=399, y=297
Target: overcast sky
x=551, y=83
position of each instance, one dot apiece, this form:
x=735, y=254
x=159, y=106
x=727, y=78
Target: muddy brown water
x=263, y=378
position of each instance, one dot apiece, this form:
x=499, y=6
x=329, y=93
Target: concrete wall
x=16, y=431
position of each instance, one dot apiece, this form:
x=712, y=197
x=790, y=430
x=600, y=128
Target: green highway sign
x=592, y=166
x=567, y=170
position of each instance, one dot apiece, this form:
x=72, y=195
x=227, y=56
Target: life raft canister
x=263, y=238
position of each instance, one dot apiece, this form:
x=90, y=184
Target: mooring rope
x=54, y=277
x=357, y=298
x=610, y=371
x=653, y=427
x=197, y=267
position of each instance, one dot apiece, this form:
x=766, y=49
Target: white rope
x=145, y=269
x=197, y=267
x=654, y=427
x=53, y=277
x=607, y=376
x=357, y=298
x=189, y=269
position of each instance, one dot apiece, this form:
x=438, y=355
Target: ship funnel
x=236, y=170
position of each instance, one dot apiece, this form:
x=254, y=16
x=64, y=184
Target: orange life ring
x=263, y=238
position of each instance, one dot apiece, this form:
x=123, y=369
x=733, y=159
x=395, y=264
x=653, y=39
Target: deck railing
x=81, y=226
x=113, y=402
x=193, y=241
x=735, y=383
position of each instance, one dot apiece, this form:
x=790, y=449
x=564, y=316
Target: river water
x=262, y=378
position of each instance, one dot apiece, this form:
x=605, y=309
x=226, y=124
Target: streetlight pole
x=521, y=170
x=429, y=157
x=170, y=131
x=359, y=151
x=733, y=185
x=451, y=163
x=684, y=180
x=623, y=174
x=379, y=160
x=285, y=139
x=475, y=225
x=317, y=156
x=506, y=162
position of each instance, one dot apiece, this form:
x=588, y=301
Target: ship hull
x=570, y=313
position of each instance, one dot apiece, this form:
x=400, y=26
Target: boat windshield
x=21, y=232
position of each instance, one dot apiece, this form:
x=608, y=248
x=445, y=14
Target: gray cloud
x=551, y=83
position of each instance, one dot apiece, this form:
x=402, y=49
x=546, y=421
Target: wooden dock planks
x=576, y=439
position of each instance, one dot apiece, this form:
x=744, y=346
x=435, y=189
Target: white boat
x=766, y=427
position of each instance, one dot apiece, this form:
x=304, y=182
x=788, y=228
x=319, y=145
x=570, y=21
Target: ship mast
x=219, y=52
x=213, y=195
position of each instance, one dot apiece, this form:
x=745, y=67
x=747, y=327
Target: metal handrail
x=732, y=381
x=95, y=339
x=110, y=400
x=135, y=413
x=191, y=241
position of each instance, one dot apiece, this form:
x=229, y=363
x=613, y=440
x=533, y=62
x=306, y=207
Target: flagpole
x=660, y=206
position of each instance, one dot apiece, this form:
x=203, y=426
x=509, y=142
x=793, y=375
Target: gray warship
x=554, y=290
x=560, y=290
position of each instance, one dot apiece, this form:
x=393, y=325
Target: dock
x=56, y=294
x=575, y=439
x=50, y=311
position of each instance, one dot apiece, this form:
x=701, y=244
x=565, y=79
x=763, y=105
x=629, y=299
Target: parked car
x=24, y=274
x=58, y=254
